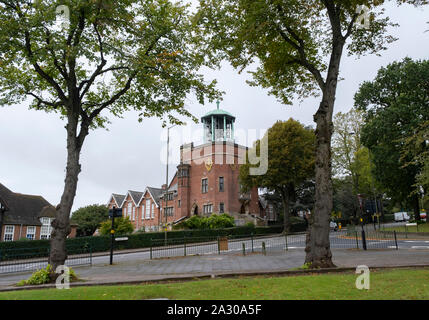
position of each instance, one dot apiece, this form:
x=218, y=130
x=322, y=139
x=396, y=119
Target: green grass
x=392, y=284
x=421, y=228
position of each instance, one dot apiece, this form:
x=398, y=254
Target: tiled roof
x=136, y=196
x=24, y=209
x=156, y=193
x=119, y=198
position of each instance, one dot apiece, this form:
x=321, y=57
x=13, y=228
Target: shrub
x=122, y=226
x=202, y=223
x=43, y=276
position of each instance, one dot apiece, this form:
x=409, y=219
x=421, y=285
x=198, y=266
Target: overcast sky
x=128, y=156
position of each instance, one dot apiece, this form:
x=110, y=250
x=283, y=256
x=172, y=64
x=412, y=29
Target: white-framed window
x=208, y=208
x=46, y=229
x=147, y=208
x=31, y=232
x=8, y=233
x=142, y=212
x=130, y=206
x=134, y=214
x=221, y=207
x=153, y=210
x=169, y=211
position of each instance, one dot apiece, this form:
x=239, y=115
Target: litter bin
x=223, y=243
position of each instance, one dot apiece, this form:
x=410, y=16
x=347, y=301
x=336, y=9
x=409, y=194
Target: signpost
x=113, y=213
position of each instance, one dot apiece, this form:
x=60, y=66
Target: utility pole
x=166, y=184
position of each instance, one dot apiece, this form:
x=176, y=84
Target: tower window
x=221, y=184
x=221, y=207
x=204, y=185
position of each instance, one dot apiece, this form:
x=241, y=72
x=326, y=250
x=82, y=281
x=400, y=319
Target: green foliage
x=118, y=54
x=122, y=226
x=292, y=39
x=89, y=219
x=43, y=276
x=213, y=222
x=291, y=150
x=395, y=105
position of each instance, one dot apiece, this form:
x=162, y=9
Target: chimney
x=164, y=187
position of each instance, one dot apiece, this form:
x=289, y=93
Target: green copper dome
x=217, y=112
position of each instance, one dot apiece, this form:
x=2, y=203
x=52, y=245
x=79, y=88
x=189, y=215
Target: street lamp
x=166, y=183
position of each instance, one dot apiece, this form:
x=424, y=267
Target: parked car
x=423, y=216
x=401, y=216
x=333, y=225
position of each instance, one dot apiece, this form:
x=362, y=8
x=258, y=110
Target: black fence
x=32, y=259
x=247, y=244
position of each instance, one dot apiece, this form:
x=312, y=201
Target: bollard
x=357, y=240
x=396, y=240
x=184, y=245
x=363, y=240
x=264, y=251
x=244, y=249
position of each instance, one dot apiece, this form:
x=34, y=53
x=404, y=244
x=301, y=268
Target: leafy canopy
x=89, y=218
x=396, y=104
x=291, y=40
x=118, y=55
x=122, y=226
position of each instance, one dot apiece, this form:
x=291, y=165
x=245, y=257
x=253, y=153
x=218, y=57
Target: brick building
x=25, y=216
x=206, y=182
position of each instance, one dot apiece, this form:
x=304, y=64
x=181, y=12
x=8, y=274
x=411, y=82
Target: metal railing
x=31, y=259
x=247, y=244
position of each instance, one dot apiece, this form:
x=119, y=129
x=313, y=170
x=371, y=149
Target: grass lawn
x=421, y=228
x=392, y=284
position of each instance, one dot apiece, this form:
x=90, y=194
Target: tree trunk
x=318, y=252
x=61, y=223
x=286, y=213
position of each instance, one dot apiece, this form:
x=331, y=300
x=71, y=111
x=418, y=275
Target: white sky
x=129, y=155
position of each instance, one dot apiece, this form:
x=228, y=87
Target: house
x=206, y=182
x=25, y=216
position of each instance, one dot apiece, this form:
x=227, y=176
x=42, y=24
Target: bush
x=43, y=276
x=122, y=226
x=202, y=223
x=389, y=218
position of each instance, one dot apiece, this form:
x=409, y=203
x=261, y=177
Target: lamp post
x=166, y=183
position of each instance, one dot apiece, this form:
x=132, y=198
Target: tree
x=122, y=226
x=396, y=103
x=298, y=46
x=107, y=56
x=89, y=218
x=290, y=163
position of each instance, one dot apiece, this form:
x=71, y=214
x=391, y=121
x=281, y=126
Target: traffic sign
x=115, y=212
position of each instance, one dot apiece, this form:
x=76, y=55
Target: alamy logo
x=63, y=280
x=63, y=16
x=362, y=281
x=362, y=21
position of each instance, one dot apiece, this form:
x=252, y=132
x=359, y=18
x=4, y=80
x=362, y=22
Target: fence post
x=184, y=245
x=264, y=251
x=406, y=231
x=244, y=248
x=286, y=241
x=396, y=240
x=90, y=255
x=357, y=240
x=218, y=245
x=151, y=249
x=252, y=242
x=363, y=240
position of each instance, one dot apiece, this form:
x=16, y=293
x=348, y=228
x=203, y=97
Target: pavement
x=141, y=270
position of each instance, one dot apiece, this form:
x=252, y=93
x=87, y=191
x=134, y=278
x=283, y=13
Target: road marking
x=420, y=247
x=413, y=241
